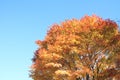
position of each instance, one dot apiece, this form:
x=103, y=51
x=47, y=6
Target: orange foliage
x=75, y=48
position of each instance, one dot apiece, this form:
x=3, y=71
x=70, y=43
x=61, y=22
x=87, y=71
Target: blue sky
x=22, y=22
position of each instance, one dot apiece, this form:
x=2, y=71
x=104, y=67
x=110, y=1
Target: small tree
x=78, y=49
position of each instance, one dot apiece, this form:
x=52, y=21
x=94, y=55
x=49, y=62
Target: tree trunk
x=87, y=77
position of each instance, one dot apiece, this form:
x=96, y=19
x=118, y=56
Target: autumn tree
x=87, y=49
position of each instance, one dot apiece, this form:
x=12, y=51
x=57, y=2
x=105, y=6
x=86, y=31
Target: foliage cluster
x=88, y=48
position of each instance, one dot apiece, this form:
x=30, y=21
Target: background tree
x=79, y=49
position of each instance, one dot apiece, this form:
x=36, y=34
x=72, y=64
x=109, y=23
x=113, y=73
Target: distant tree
x=85, y=49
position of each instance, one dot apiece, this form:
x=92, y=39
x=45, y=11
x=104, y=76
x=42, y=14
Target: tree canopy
x=86, y=48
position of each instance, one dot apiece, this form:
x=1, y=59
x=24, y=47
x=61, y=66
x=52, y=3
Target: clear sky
x=22, y=22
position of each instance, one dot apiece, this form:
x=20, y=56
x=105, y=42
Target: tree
x=79, y=49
